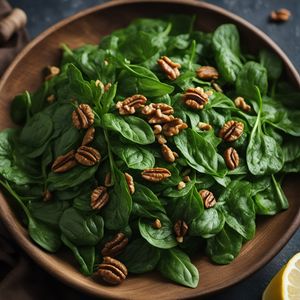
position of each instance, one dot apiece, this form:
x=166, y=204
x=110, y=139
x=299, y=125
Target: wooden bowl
x=88, y=27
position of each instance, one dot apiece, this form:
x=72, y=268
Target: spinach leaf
x=45, y=236
x=174, y=264
x=85, y=256
x=81, y=230
x=72, y=178
x=209, y=223
x=272, y=63
x=132, y=128
x=117, y=211
x=140, y=257
x=163, y=237
x=49, y=212
x=224, y=247
x=226, y=45
x=199, y=153
x=8, y=160
x=251, y=76
x=238, y=208
x=264, y=154
x=135, y=157
x=20, y=106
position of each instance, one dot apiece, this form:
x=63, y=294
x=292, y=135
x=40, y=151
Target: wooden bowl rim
x=15, y=228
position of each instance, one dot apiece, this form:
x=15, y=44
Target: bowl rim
x=31, y=249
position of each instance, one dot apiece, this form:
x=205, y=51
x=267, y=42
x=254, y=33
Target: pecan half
x=207, y=73
x=240, y=103
x=208, y=198
x=280, y=15
x=156, y=224
x=115, y=246
x=231, y=131
x=87, y=156
x=130, y=183
x=232, y=158
x=112, y=271
x=174, y=127
x=168, y=154
x=51, y=71
x=204, y=126
x=64, y=163
x=88, y=137
x=180, y=229
x=99, y=197
x=83, y=116
x=195, y=98
x=131, y=104
x=170, y=68
x=156, y=174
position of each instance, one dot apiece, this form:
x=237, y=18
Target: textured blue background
x=43, y=14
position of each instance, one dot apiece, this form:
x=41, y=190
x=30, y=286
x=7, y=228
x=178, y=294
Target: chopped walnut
x=240, y=103
x=280, y=15
x=170, y=68
x=174, y=127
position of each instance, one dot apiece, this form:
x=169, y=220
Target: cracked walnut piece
x=195, y=98
x=158, y=113
x=207, y=73
x=131, y=104
x=168, y=154
x=112, y=271
x=170, y=68
x=51, y=71
x=83, y=116
x=156, y=174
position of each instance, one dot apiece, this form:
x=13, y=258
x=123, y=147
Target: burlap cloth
x=20, y=277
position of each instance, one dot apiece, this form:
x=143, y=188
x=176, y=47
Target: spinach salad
x=160, y=143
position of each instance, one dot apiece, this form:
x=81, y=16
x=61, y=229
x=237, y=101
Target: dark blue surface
x=43, y=14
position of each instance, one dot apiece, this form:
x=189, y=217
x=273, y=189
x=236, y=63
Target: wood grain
x=88, y=27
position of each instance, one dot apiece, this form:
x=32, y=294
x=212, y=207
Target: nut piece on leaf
x=83, y=116
x=208, y=198
x=158, y=113
x=112, y=271
x=51, y=71
x=207, y=73
x=131, y=104
x=88, y=137
x=47, y=196
x=232, y=158
x=231, y=131
x=156, y=224
x=87, y=156
x=115, y=246
x=180, y=229
x=170, y=68
x=130, y=183
x=240, y=103
x=64, y=163
x=156, y=174
x=99, y=197
x=204, y=126
x=195, y=98
x=174, y=127
x=168, y=154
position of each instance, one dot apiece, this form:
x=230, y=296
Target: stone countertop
x=43, y=14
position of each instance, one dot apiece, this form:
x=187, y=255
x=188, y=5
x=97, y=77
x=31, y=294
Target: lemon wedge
x=286, y=283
